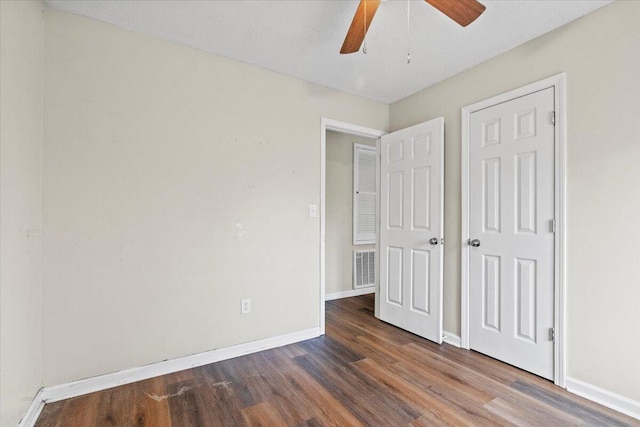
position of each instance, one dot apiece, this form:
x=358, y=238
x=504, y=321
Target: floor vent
x=364, y=269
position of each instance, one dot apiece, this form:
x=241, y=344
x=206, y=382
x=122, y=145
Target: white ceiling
x=302, y=38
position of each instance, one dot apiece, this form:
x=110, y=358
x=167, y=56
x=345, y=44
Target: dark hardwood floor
x=362, y=372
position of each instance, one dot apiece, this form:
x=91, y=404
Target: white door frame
x=558, y=82
x=342, y=127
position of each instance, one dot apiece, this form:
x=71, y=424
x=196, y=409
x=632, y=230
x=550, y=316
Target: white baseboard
x=350, y=293
x=451, y=339
x=604, y=397
x=33, y=411
x=102, y=382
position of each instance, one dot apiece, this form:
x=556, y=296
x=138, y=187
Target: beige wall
x=176, y=183
x=600, y=54
x=339, y=211
x=21, y=29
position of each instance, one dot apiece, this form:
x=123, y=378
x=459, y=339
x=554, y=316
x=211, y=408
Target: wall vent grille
x=364, y=269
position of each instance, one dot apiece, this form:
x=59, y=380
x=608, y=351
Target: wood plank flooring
x=363, y=372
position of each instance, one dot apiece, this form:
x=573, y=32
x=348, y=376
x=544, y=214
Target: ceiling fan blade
x=358, y=27
x=464, y=12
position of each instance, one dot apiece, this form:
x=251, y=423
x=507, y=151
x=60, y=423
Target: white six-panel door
x=511, y=230
x=411, y=228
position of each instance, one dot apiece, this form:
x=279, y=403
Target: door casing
x=558, y=82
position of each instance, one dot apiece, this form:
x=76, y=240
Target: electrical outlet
x=313, y=211
x=246, y=306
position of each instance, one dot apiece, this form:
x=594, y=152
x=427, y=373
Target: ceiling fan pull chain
x=408, y=32
x=364, y=43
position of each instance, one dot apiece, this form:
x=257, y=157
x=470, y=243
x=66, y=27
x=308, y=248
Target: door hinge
x=553, y=226
x=552, y=334
x=553, y=118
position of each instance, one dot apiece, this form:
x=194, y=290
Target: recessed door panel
x=526, y=298
x=394, y=278
x=421, y=144
x=491, y=194
x=526, y=192
x=395, y=150
x=491, y=291
x=491, y=132
x=421, y=184
x=419, y=275
x=525, y=124
x=396, y=199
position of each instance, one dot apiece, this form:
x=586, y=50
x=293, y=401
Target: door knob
x=475, y=243
x=433, y=241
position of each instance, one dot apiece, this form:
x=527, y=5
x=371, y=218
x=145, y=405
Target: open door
x=411, y=228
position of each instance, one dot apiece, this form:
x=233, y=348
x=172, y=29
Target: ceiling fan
x=464, y=12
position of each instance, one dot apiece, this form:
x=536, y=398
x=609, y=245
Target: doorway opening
x=341, y=137
x=350, y=215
